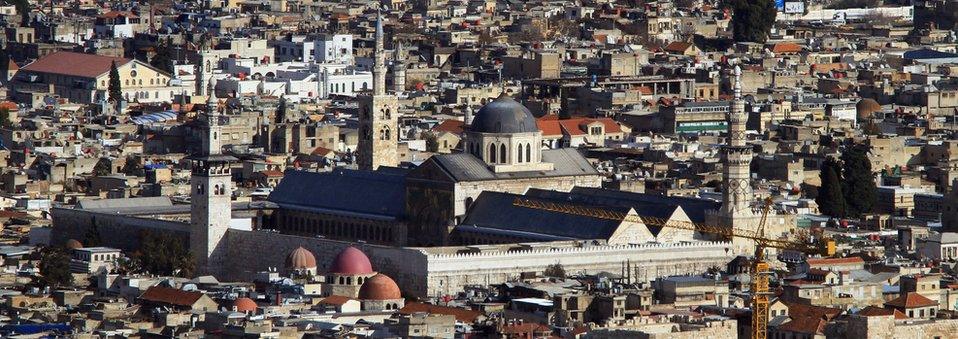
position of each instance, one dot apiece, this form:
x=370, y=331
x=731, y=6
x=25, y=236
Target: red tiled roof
x=271, y=173
x=555, y=127
x=812, y=311
x=803, y=324
x=874, y=311
x=786, y=47
x=323, y=151
x=677, y=47
x=116, y=14
x=911, y=300
x=75, y=64
x=461, y=314
x=172, y=296
x=449, y=125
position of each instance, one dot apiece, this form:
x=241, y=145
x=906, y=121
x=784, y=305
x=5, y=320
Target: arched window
x=502, y=153
x=387, y=113
x=342, y=281
x=215, y=135
x=528, y=153
x=492, y=153
x=519, y=153
x=216, y=189
x=468, y=203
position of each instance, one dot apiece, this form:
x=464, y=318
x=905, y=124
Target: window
x=502, y=153
x=520, y=153
x=528, y=152
x=492, y=153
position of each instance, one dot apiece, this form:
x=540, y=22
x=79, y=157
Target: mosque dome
x=867, y=107
x=379, y=287
x=244, y=305
x=300, y=258
x=74, y=244
x=504, y=115
x=351, y=261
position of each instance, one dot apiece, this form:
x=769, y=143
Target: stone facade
x=116, y=230
x=378, y=117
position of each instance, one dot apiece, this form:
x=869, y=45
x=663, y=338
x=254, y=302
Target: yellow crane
x=759, y=270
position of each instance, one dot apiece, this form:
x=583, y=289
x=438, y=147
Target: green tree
x=114, y=90
x=92, y=237
x=858, y=184
x=555, y=270
x=432, y=142
x=831, y=201
x=164, y=254
x=163, y=60
x=752, y=19
x=54, y=268
x=5, y=118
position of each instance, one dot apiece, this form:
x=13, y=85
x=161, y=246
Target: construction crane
x=759, y=271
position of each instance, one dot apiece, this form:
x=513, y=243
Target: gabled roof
x=874, y=311
x=494, y=212
x=466, y=167
x=449, y=125
x=379, y=193
x=75, y=64
x=677, y=47
x=804, y=324
x=911, y=300
x=786, y=47
x=171, y=296
x=643, y=203
x=552, y=127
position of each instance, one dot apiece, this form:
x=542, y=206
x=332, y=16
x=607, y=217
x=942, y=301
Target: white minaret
x=378, y=116
x=737, y=156
x=204, y=69
x=210, y=194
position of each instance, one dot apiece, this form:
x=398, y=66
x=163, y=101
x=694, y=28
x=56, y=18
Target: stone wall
x=449, y=272
x=116, y=230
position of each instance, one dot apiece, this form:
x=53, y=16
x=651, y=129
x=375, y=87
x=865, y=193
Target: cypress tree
x=162, y=60
x=114, y=91
x=830, y=200
x=859, y=182
x=752, y=19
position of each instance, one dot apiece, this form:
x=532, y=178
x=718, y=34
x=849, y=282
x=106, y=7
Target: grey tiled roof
x=378, y=193
x=494, y=212
x=466, y=167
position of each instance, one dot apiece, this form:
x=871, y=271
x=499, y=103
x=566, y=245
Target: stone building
x=378, y=117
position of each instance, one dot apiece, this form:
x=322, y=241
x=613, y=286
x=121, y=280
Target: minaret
x=210, y=194
x=204, y=68
x=737, y=156
x=399, y=70
x=378, y=116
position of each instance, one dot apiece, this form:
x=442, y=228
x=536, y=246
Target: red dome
x=351, y=261
x=379, y=287
x=301, y=258
x=244, y=305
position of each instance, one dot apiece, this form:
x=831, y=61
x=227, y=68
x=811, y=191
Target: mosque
x=431, y=230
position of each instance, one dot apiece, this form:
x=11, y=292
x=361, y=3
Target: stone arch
x=502, y=153
x=492, y=153
x=528, y=152
x=519, y=153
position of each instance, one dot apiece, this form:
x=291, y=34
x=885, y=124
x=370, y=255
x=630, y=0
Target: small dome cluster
x=866, y=108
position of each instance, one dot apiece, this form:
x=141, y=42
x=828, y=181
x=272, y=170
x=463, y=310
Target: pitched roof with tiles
x=75, y=64
x=461, y=314
x=911, y=300
x=804, y=324
x=874, y=311
x=677, y=47
x=449, y=125
x=835, y=261
x=171, y=296
x=553, y=127
x=786, y=47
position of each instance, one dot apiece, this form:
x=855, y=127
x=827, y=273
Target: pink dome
x=351, y=261
x=244, y=305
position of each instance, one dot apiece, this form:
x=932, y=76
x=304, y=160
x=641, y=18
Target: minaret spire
x=379, y=69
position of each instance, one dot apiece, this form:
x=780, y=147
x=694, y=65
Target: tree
x=432, y=142
x=752, y=19
x=5, y=118
x=163, y=254
x=92, y=237
x=54, y=268
x=162, y=60
x=858, y=182
x=555, y=270
x=831, y=201
x=114, y=90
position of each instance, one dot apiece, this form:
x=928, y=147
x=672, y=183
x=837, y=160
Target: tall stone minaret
x=378, y=116
x=204, y=68
x=210, y=194
x=736, y=208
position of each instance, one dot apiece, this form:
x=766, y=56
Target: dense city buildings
x=479, y=169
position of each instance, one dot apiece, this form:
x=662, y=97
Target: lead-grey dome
x=504, y=115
